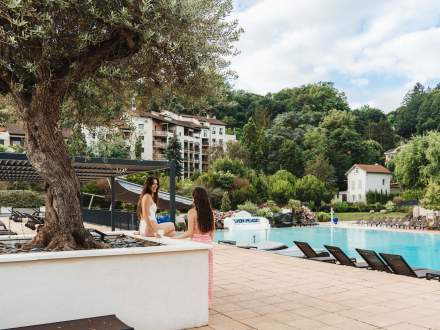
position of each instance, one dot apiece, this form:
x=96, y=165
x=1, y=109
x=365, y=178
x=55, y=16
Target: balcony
x=159, y=156
x=160, y=133
x=159, y=145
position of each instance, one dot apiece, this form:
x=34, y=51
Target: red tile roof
x=376, y=168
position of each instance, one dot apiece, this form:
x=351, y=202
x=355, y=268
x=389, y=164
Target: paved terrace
x=260, y=290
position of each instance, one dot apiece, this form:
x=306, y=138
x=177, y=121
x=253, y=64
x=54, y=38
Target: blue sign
x=252, y=220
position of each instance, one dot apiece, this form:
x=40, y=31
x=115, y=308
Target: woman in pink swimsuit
x=201, y=228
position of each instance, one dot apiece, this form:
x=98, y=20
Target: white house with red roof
x=362, y=178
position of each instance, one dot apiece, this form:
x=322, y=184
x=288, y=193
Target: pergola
x=17, y=167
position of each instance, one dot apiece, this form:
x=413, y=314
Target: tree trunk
x=63, y=227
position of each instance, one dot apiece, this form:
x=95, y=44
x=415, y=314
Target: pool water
x=419, y=249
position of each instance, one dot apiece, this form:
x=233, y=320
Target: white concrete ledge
x=170, y=245
x=159, y=287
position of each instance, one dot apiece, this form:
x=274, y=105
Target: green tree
x=174, y=153
x=76, y=144
x=138, y=148
x=109, y=146
x=281, y=186
x=418, y=163
x=311, y=189
x=226, y=202
x=428, y=116
x=431, y=199
x=321, y=168
x=372, y=123
x=253, y=143
x=405, y=117
x=56, y=53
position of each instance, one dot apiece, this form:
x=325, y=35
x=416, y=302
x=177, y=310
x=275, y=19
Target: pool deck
x=261, y=290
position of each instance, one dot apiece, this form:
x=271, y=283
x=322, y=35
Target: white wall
x=378, y=182
x=356, y=185
x=162, y=287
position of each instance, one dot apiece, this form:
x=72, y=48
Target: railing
x=122, y=220
x=160, y=133
x=157, y=156
x=159, y=144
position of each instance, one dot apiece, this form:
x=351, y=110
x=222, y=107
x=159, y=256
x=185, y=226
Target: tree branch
x=121, y=44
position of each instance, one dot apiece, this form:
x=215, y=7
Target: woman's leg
x=168, y=228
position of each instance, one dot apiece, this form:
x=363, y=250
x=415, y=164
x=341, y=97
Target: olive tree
x=56, y=53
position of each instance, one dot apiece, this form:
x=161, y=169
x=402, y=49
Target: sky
x=374, y=51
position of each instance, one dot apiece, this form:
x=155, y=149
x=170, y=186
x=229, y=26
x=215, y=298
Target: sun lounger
x=290, y=252
x=311, y=254
x=373, y=260
x=264, y=246
x=227, y=242
x=343, y=258
x=107, y=322
x=400, y=267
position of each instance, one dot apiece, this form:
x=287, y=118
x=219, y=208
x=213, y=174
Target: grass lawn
x=352, y=216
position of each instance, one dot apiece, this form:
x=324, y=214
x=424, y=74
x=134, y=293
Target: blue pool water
x=419, y=249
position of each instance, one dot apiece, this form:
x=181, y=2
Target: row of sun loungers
x=4, y=230
x=384, y=262
x=33, y=216
x=403, y=223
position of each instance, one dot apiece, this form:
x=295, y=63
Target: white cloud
x=288, y=43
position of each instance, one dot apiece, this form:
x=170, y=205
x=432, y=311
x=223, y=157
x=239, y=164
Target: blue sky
x=372, y=50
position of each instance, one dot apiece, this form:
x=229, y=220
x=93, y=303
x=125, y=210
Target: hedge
x=21, y=198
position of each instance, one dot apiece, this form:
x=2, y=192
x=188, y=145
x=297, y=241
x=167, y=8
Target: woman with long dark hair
x=201, y=227
x=146, y=211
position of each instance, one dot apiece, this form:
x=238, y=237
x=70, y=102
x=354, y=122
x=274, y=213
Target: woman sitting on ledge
x=146, y=211
x=201, y=228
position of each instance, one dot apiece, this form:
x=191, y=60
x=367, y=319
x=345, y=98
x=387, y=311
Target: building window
x=141, y=126
x=93, y=136
x=213, y=130
x=355, y=171
x=2, y=142
x=383, y=182
x=205, y=133
x=213, y=141
x=220, y=141
x=220, y=131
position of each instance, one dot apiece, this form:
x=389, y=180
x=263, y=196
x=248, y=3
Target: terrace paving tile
x=405, y=326
x=260, y=290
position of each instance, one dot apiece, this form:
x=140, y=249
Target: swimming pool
x=419, y=249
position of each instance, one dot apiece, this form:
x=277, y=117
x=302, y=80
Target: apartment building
x=13, y=134
x=199, y=137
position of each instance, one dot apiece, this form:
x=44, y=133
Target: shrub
x=216, y=195
x=340, y=206
x=264, y=212
x=397, y=200
x=377, y=197
x=361, y=207
x=311, y=189
x=224, y=180
x=413, y=194
x=323, y=217
x=240, y=196
x=248, y=206
x=431, y=200
x=281, y=191
x=226, y=202
x=21, y=198
x=233, y=166
x=294, y=205
x=390, y=206
x=273, y=206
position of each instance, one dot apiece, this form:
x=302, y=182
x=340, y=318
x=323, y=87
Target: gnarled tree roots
x=62, y=240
